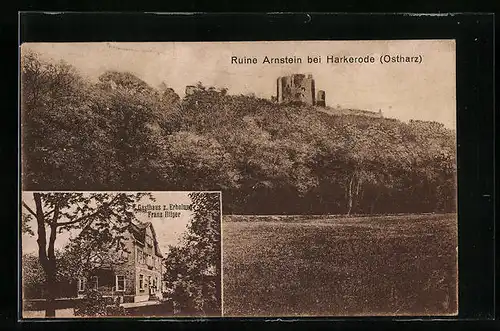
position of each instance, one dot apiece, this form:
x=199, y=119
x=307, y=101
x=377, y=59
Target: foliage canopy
x=122, y=134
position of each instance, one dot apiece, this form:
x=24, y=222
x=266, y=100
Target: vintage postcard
x=121, y=254
x=336, y=161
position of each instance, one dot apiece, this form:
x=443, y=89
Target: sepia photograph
x=121, y=254
x=336, y=163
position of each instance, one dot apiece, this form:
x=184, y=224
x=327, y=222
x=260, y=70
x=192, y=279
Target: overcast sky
x=168, y=230
x=424, y=91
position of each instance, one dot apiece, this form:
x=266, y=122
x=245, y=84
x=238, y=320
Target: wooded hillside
x=121, y=134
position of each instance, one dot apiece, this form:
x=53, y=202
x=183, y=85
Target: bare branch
x=29, y=209
x=80, y=219
x=48, y=213
x=98, y=211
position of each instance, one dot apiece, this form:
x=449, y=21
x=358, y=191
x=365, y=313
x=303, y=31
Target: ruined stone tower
x=296, y=88
x=321, y=99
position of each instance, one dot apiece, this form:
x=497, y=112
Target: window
x=81, y=284
x=154, y=285
x=141, y=282
x=120, y=283
x=124, y=255
x=140, y=256
x=95, y=282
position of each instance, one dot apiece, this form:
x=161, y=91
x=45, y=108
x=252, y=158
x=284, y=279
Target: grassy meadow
x=338, y=266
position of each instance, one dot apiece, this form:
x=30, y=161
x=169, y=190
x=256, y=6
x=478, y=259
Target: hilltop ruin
x=299, y=88
x=302, y=88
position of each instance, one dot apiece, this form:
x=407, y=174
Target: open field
x=337, y=266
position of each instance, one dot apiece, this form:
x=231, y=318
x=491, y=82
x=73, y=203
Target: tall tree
x=138, y=119
x=106, y=215
x=193, y=269
x=64, y=141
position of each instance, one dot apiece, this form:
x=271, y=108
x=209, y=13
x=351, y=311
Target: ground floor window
x=164, y=286
x=141, y=282
x=81, y=284
x=153, y=289
x=95, y=282
x=120, y=283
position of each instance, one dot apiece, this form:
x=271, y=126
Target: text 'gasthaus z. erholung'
x=172, y=210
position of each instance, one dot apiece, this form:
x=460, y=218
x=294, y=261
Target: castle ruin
x=191, y=89
x=299, y=88
x=321, y=99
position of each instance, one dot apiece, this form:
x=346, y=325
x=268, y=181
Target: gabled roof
x=138, y=231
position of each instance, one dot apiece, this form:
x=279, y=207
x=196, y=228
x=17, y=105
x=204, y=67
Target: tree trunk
x=51, y=269
x=42, y=253
x=50, y=309
x=374, y=201
x=349, y=196
x=47, y=259
x=356, y=195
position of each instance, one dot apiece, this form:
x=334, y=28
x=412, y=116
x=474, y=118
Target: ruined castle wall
x=279, y=90
x=191, y=89
x=321, y=99
x=313, y=90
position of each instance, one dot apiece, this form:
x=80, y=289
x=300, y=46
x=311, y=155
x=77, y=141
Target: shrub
x=94, y=304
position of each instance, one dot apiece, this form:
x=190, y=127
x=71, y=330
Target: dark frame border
x=474, y=34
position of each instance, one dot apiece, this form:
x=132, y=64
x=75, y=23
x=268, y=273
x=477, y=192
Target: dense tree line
x=119, y=133
x=193, y=267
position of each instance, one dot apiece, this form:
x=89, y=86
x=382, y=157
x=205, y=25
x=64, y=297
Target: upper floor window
x=123, y=255
x=140, y=255
x=149, y=260
x=158, y=262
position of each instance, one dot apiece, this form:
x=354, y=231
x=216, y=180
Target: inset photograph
x=120, y=254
